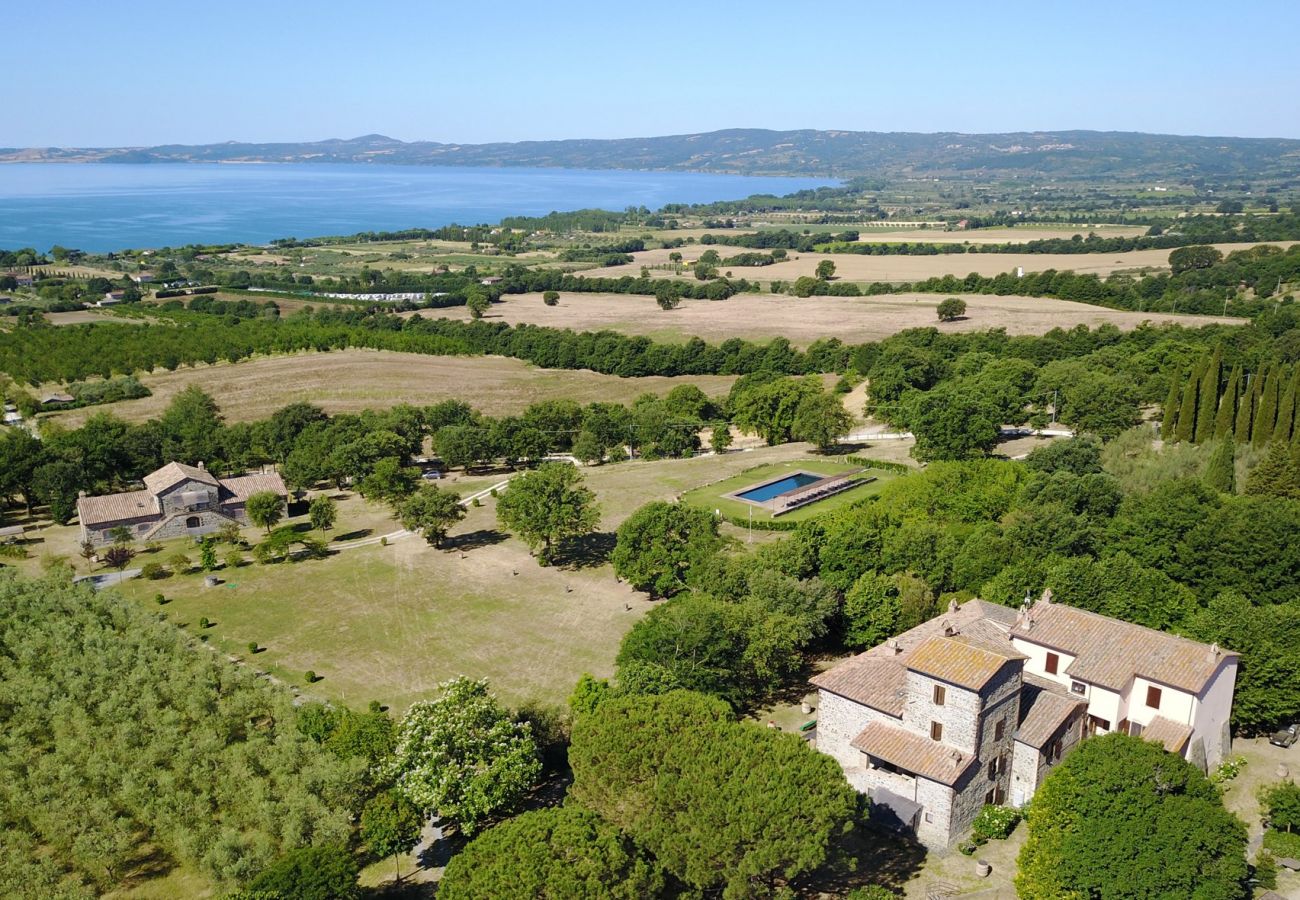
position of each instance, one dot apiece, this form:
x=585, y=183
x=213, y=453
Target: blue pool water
x=99, y=207
x=774, y=488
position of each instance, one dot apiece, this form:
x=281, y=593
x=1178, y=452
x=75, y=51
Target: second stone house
x=975, y=706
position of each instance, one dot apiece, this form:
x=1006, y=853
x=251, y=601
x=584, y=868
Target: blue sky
x=104, y=73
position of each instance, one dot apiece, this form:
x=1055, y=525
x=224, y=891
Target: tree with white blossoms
x=462, y=756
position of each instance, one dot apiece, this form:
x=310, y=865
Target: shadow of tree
x=868, y=855
x=586, y=552
x=473, y=540
x=354, y=535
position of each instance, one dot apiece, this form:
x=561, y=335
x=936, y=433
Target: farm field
x=760, y=317
x=353, y=380
x=850, y=267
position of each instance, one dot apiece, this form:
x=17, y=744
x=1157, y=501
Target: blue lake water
x=778, y=487
x=101, y=207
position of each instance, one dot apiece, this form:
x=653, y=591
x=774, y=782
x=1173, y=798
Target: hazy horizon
x=143, y=73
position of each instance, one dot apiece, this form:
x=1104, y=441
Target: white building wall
x=1037, y=662
x=1210, y=725
x=1175, y=705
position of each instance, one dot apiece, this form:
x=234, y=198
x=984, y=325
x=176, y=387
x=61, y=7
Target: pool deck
x=786, y=501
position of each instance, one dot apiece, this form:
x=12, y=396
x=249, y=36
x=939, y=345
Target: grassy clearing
x=353, y=380
x=714, y=496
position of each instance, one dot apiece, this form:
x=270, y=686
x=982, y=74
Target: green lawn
x=713, y=496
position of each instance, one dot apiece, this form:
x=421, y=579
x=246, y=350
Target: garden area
x=720, y=494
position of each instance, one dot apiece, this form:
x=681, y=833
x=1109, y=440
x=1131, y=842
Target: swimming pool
x=770, y=489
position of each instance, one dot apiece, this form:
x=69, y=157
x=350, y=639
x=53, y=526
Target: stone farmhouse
x=177, y=500
x=976, y=706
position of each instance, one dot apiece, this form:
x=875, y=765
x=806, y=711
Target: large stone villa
x=177, y=500
x=976, y=706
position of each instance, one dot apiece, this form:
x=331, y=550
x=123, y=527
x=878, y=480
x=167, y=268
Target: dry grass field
x=849, y=267
x=802, y=320
x=353, y=380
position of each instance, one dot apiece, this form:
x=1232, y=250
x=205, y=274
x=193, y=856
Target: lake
x=99, y=207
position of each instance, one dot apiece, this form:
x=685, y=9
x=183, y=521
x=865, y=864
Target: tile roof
x=871, y=680
x=1109, y=652
x=92, y=511
x=875, y=678
x=1173, y=735
x=1044, y=707
x=242, y=486
x=959, y=661
x=160, y=480
x=912, y=752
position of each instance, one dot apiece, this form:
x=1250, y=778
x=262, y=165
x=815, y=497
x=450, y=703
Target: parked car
x=1286, y=737
x=433, y=475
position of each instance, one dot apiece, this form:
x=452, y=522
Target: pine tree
x=1186, y=427
x=1227, y=412
x=1275, y=475
x=1208, y=398
x=1169, y=419
x=1219, y=473
x=1266, y=411
x=1286, y=408
x=1246, y=410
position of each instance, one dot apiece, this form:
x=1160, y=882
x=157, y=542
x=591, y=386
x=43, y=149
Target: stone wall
x=959, y=715
x=175, y=526
x=839, y=721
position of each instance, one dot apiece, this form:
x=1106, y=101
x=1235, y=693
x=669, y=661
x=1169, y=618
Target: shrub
x=153, y=571
x=159, y=599
x=1282, y=843
x=310, y=677
x=204, y=623
x=233, y=559
x=872, y=892
x=995, y=822
x=252, y=646
x=1266, y=870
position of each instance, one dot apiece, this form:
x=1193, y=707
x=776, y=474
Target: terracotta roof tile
x=1173, y=735
x=1109, y=652
x=912, y=752
x=243, y=486
x=964, y=663
x=875, y=678
x=1044, y=707
x=94, y=511
x=161, y=479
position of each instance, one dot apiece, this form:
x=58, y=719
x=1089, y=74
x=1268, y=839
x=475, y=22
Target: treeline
x=781, y=238
x=475, y=234
x=23, y=257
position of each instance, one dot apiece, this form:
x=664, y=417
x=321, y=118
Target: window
x=940, y=694
x=929, y=817
x=988, y=798
x=936, y=731
x=998, y=729
x=1153, y=696
x=1078, y=687
x=1053, y=663
x=193, y=522
x=993, y=769
x=1135, y=729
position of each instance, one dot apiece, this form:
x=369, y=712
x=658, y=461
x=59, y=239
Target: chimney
x=200, y=466
x=952, y=606
x=1215, y=652
x=892, y=644
x=1047, y=595
x=948, y=630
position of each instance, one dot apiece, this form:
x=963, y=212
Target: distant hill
x=1058, y=154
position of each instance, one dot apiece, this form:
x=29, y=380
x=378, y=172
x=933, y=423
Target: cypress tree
x=1219, y=473
x=1208, y=398
x=1275, y=474
x=1266, y=411
x=1169, y=419
x=1246, y=411
x=1286, y=409
x=1186, y=426
x=1225, y=417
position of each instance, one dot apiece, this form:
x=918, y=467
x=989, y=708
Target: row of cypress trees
x=1248, y=407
